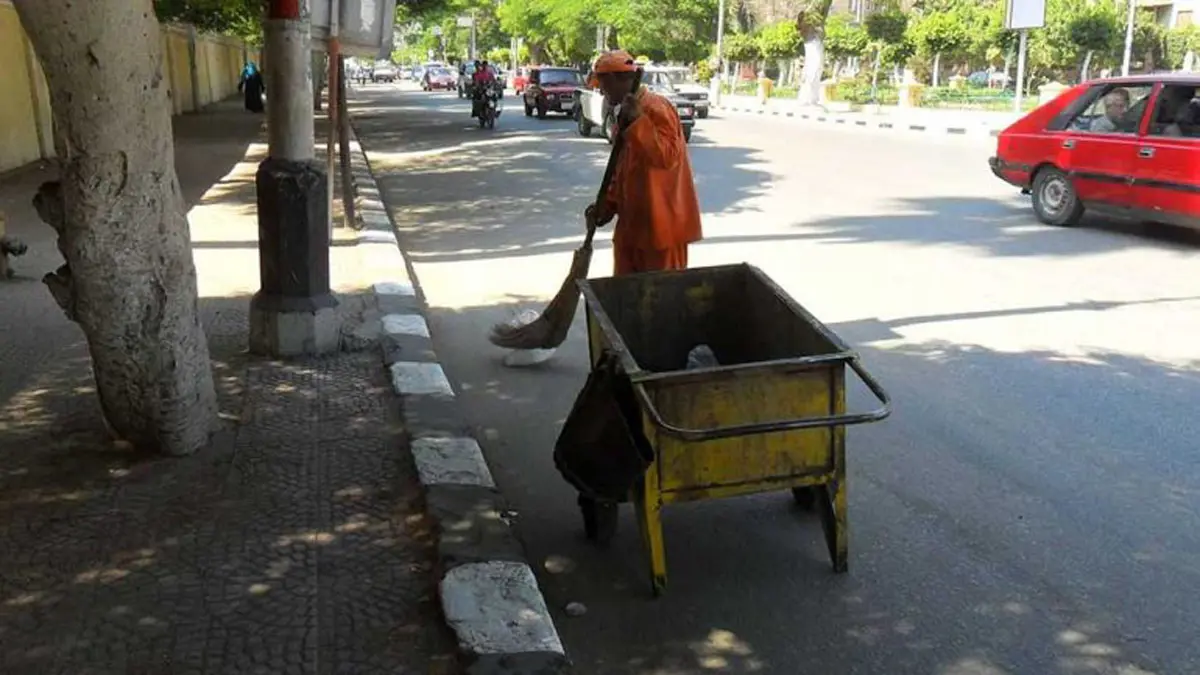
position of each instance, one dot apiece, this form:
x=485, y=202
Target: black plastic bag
x=602, y=450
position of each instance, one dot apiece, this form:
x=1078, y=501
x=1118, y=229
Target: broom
x=550, y=329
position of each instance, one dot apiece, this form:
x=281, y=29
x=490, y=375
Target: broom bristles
x=550, y=329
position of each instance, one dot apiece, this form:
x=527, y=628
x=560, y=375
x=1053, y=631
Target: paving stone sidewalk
x=295, y=544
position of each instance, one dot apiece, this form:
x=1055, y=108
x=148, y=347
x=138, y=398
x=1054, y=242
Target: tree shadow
x=995, y=227
x=296, y=537
x=461, y=194
x=1003, y=520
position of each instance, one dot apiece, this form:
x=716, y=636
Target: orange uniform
x=652, y=192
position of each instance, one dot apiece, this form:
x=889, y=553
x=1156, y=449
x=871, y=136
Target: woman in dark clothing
x=251, y=86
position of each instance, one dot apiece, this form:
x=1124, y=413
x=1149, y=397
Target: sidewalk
x=932, y=120
x=295, y=544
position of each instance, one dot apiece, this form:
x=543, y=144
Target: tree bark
x=809, y=91
x=937, y=69
x=130, y=279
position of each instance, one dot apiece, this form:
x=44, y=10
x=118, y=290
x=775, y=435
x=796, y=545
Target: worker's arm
x=656, y=135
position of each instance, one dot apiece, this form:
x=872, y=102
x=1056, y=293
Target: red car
x=551, y=89
x=439, y=78
x=1127, y=147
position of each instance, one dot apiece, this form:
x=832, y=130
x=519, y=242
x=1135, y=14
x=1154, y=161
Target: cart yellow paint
x=772, y=417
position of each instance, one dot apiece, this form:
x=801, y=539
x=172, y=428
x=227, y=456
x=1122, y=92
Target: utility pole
x=293, y=313
x=1021, y=53
x=1129, y=22
x=719, y=72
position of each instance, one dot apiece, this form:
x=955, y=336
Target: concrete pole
x=1020, y=71
x=334, y=57
x=293, y=313
x=289, y=117
x=1129, y=22
x=719, y=71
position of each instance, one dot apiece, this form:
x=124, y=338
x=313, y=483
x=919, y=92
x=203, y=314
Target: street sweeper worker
x=652, y=194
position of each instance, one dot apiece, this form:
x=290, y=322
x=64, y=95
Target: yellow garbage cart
x=770, y=415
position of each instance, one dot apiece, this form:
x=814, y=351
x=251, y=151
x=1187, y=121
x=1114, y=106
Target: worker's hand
x=631, y=109
x=596, y=215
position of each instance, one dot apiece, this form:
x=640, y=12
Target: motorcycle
x=489, y=108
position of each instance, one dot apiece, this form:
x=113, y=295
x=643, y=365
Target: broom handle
x=611, y=167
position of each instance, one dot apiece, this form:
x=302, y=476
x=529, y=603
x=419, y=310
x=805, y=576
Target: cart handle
x=716, y=433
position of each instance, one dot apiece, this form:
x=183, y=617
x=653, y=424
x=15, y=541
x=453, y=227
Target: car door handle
x=1146, y=152
x=1069, y=143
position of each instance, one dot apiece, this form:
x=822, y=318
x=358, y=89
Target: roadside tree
x=129, y=281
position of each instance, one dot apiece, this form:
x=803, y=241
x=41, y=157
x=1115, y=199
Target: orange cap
x=616, y=61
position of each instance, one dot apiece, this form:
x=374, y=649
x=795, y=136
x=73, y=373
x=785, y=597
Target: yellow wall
x=26, y=130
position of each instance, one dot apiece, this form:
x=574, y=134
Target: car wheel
x=585, y=127
x=610, y=127
x=702, y=113
x=1054, y=199
x=528, y=109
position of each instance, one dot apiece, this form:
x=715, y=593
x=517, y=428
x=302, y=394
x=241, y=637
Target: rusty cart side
x=771, y=417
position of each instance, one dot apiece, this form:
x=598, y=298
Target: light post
x=1129, y=22
x=719, y=71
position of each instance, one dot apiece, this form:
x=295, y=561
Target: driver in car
x=1116, y=104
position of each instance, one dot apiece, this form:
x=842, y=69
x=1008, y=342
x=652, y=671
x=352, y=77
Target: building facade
x=1173, y=13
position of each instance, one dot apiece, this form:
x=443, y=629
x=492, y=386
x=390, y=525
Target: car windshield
x=658, y=80
x=553, y=77
x=440, y=72
x=680, y=77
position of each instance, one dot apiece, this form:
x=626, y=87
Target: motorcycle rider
x=482, y=81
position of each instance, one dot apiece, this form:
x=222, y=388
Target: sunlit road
x=1033, y=505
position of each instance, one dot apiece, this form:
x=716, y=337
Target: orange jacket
x=652, y=192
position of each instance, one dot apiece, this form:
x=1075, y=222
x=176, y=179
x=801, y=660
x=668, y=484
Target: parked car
x=593, y=111
x=438, y=78
x=1127, y=147
x=686, y=86
x=384, y=72
x=551, y=89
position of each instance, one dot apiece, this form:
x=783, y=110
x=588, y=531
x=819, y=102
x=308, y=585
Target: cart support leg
x=832, y=506
x=649, y=514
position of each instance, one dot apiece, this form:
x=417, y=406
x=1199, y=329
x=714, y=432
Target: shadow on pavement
x=998, y=228
x=537, y=176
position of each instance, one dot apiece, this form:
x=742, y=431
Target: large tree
x=129, y=280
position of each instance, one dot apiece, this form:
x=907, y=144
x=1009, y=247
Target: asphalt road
x=1032, y=506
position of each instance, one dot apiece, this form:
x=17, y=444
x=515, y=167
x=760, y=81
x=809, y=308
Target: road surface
x=1032, y=506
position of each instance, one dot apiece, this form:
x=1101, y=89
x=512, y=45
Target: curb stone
x=489, y=594
x=959, y=130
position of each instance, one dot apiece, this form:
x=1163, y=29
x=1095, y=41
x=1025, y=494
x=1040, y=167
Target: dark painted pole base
x=293, y=313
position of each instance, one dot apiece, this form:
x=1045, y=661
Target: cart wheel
x=599, y=519
x=806, y=497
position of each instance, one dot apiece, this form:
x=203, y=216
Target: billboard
x=1024, y=14
x=364, y=27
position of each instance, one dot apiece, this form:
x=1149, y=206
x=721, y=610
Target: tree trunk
x=937, y=68
x=809, y=92
x=129, y=280
x=1087, y=64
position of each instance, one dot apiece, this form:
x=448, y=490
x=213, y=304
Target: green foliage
x=1095, y=29
x=241, y=18
x=1180, y=41
x=742, y=48
x=945, y=33
x=887, y=27
x=780, y=41
x=844, y=38
x=704, y=71
x=812, y=15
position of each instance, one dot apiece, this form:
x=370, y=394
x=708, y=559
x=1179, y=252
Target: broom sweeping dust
x=534, y=340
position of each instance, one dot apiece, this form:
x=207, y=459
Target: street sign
x=465, y=21
x=1024, y=14
x=364, y=27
